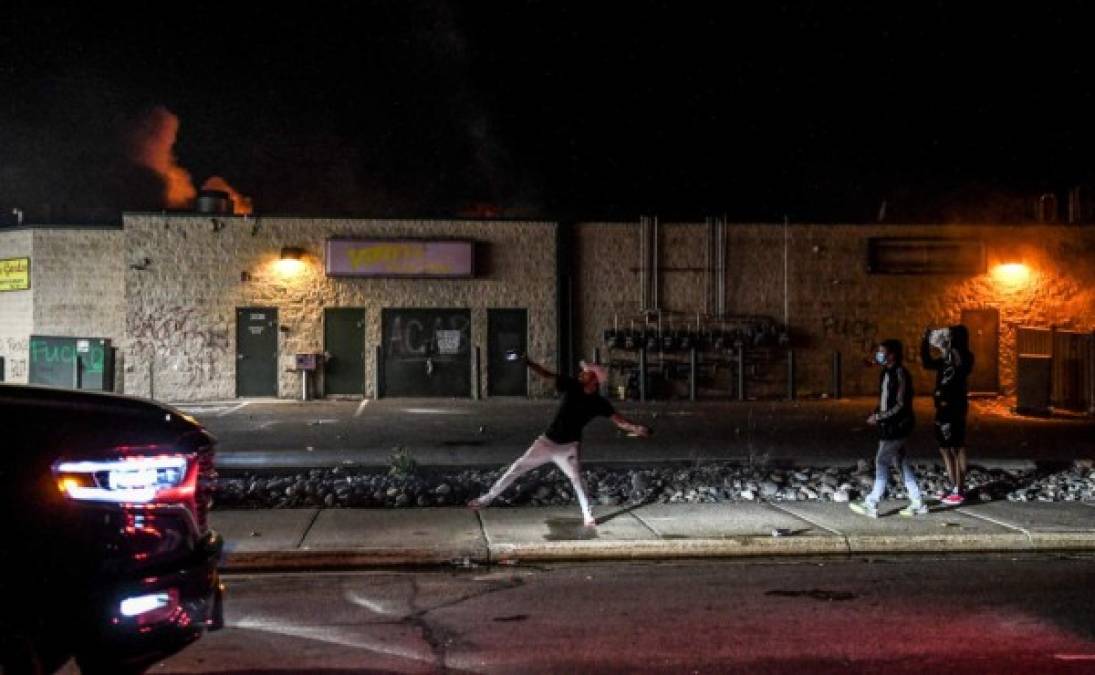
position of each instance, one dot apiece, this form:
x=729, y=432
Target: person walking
x=951, y=397
x=561, y=442
x=895, y=420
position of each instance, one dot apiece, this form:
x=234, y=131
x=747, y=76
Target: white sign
x=448, y=341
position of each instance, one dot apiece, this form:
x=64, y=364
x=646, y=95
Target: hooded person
x=561, y=443
x=952, y=369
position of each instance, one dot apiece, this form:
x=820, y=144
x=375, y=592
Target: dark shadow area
x=568, y=529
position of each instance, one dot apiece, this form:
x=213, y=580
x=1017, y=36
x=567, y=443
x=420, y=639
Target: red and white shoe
x=589, y=522
x=477, y=503
x=953, y=499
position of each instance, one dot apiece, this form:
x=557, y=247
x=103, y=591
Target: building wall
x=832, y=302
x=17, y=307
x=77, y=289
x=180, y=322
x=80, y=281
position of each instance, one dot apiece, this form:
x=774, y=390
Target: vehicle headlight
x=133, y=480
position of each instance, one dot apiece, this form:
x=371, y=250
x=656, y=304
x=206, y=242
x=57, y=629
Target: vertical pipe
x=642, y=263
x=654, y=268
x=837, y=376
x=1091, y=373
x=476, y=390
x=642, y=372
x=378, y=375
x=786, y=274
x=741, y=372
x=790, y=374
x=692, y=375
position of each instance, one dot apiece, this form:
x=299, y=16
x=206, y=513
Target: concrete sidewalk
x=347, y=538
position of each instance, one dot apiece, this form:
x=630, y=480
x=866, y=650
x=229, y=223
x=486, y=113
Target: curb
x=653, y=549
x=238, y=462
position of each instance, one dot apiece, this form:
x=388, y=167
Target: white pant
x=542, y=451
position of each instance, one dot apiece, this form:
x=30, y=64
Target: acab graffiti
x=864, y=333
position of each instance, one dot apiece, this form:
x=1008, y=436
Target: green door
x=344, y=342
x=507, y=330
x=256, y=351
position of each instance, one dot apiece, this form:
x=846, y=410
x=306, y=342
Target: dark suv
x=106, y=554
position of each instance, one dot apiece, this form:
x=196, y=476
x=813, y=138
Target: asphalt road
x=270, y=433
x=897, y=615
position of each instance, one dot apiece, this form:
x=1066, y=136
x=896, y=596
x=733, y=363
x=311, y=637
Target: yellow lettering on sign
x=15, y=274
x=397, y=255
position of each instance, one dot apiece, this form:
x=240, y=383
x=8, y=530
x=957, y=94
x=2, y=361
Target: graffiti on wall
x=180, y=339
x=860, y=331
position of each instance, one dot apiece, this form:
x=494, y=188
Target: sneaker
x=864, y=508
x=953, y=499
x=589, y=522
x=914, y=510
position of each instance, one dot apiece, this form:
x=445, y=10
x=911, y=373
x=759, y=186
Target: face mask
x=880, y=358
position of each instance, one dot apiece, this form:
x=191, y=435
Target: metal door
x=1072, y=370
x=344, y=342
x=984, y=328
x=507, y=329
x=256, y=351
x=427, y=352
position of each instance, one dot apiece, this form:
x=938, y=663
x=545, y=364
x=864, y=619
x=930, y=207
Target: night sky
x=555, y=110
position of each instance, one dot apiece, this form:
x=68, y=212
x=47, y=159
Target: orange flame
x=153, y=144
x=241, y=205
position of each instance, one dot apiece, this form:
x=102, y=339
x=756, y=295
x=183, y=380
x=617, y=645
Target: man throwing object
x=561, y=442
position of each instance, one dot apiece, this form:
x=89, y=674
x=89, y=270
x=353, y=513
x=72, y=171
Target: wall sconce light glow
x=1012, y=274
x=291, y=260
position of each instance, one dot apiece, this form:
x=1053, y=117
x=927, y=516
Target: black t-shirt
x=575, y=411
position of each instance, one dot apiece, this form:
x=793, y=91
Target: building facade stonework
x=168, y=289
x=816, y=276
x=77, y=289
x=188, y=274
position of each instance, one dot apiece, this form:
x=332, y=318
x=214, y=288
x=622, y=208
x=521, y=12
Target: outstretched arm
x=538, y=369
x=630, y=427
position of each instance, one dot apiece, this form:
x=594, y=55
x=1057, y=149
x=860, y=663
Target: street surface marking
x=330, y=635
x=232, y=410
x=434, y=411
x=203, y=409
x=361, y=408
x=1075, y=657
x=266, y=425
x=371, y=605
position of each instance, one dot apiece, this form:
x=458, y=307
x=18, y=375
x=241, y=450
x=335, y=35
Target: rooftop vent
x=214, y=202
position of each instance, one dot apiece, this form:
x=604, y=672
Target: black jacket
x=952, y=371
x=897, y=420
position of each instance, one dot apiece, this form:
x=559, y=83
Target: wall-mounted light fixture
x=1011, y=268
x=291, y=260
x=292, y=253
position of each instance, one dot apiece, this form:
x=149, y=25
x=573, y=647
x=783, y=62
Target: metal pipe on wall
x=642, y=263
x=692, y=375
x=654, y=267
x=790, y=374
x=837, y=376
x=709, y=265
